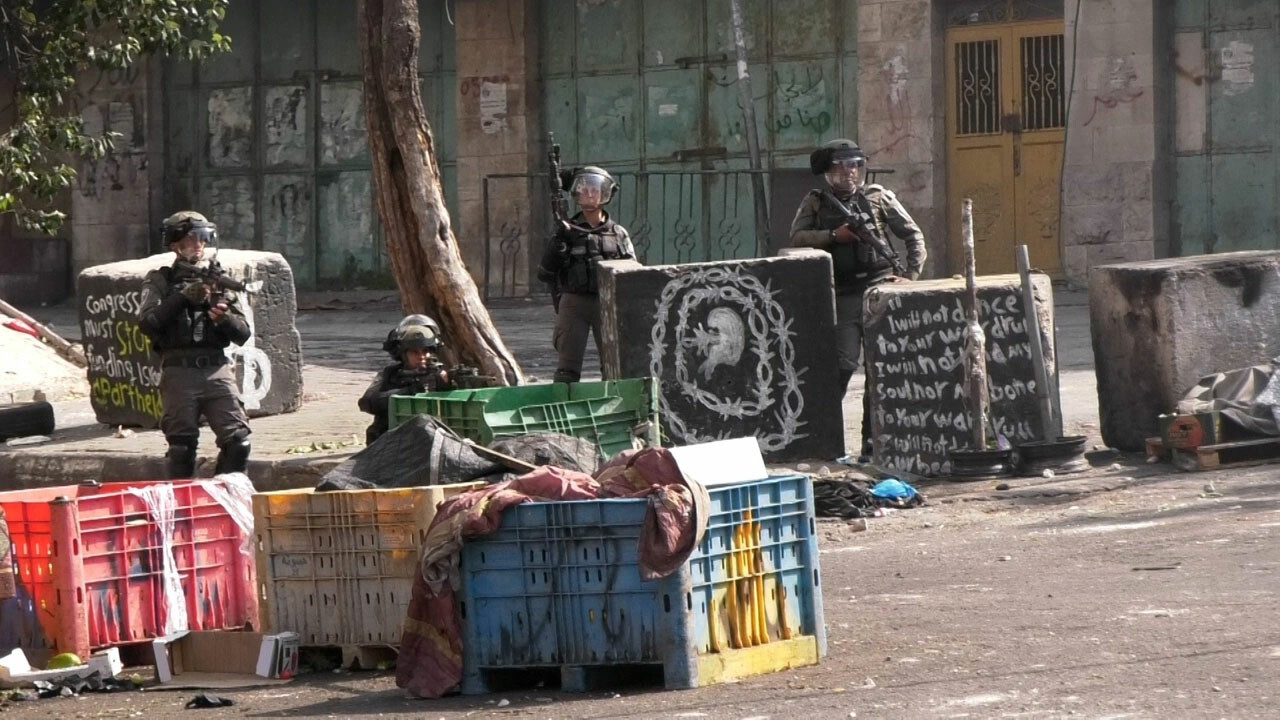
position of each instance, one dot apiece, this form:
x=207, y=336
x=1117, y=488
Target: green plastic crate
x=604, y=412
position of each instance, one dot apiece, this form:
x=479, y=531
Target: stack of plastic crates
x=120, y=563
x=607, y=413
x=558, y=586
x=337, y=567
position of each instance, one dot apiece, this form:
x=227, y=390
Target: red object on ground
x=93, y=564
x=22, y=327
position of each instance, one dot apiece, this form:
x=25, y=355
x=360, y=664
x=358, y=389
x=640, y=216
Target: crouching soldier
x=190, y=322
x=413, y=344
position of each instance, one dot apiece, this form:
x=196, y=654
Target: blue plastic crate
x=559, y=586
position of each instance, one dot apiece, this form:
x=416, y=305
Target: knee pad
x=233, y=457
x=180, y=461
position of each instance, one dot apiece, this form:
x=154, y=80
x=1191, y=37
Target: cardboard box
x=219, y=659
x=1187, y=432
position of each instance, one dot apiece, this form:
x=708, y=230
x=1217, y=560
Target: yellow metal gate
x=1005, y=132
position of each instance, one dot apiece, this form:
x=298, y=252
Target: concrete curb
x=20, y=471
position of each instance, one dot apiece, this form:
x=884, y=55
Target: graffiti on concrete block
x=124, y=372
x=722, y=344
x=124, y=369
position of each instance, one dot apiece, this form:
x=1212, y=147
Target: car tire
x=25, y=420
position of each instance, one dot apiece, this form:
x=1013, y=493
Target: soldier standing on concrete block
x=413, y=344
x=569, y=266
x=191, y=319
x=848, y=219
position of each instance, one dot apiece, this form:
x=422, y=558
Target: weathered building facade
x=1093, y=131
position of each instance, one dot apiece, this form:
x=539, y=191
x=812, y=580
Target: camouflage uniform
x=395, y=380
x=196, y=376
x=569, y=265
x=856, y=265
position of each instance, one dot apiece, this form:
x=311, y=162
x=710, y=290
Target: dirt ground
x=1127, y=593
x=28, y=365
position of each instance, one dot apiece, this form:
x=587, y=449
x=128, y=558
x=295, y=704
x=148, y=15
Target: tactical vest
x=856, y=265
x=585, y=251
x=191, y=328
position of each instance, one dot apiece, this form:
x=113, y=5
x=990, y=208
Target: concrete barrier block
x=124, y=372
x=1161, y=325
x=741, y=348
x=915, y=367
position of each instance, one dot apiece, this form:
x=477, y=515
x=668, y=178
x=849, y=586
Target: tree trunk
x=425, y=260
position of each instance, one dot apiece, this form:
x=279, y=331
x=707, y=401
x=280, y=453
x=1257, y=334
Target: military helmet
x=591, y=176
x=820, y=160
x=392, y=344
x=185, y=222
x=419, y=337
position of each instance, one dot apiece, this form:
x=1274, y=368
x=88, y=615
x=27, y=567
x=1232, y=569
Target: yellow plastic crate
x=337, y=567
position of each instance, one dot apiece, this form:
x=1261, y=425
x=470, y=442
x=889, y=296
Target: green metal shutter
x=270, y=141
x=1227, y=163
x=648, y=87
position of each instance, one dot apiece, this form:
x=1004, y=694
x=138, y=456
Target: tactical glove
x=196, y=293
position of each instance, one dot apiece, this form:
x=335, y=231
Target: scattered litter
x=868, y=684
x=803, y=467
x=324, y=446
x=207, y=700
x=29, y=440
x=1002, y=486
x=1005, y=558
x=123, y=432
x=1047, y=474
x=504, y=702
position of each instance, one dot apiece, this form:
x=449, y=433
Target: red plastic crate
x=91, y=566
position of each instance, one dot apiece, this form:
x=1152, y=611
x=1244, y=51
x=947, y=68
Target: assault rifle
x=863, y=227
x=434, y=377
x=215, y=277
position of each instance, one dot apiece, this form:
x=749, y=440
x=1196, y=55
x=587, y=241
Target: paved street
x=1129, y=591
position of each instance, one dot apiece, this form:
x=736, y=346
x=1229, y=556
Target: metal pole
x=488, y=251
x=975, y=351
x=747, y=100
x=1044, y=385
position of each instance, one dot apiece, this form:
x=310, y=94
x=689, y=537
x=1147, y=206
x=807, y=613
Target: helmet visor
x=848, y=173
x=592, y=186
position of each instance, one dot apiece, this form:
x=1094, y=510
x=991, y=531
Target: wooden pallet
x=358, y=657
x=1223, y=455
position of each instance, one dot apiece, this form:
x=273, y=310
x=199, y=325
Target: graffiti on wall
x=722, y=346
x=803, y=101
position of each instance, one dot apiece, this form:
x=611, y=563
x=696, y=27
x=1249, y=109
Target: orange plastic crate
x=91, y=566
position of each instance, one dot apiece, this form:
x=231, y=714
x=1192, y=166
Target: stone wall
x=499, y=131
x=110, y=202
x=901, y=120
x=1110, y=207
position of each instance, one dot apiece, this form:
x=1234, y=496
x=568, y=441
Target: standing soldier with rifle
x=569, y=261
x=849, y=219
x=191, y=314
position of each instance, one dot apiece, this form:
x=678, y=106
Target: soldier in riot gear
x=569, y=266
x=414, y=344
x=191, y=319
x=849, y=219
